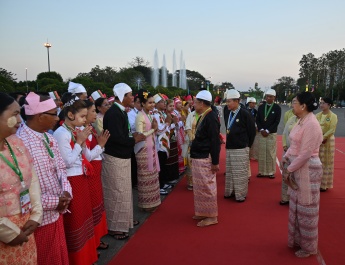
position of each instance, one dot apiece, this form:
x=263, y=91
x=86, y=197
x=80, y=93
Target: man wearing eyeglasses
x=41, y=115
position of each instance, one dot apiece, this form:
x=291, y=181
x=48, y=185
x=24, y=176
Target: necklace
x=269, y=110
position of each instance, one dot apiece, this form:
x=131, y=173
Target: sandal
x=197, y=217
x=205, y=222
x=302, y=254
x=121, y=236
x=103, y=245
x=135, y=223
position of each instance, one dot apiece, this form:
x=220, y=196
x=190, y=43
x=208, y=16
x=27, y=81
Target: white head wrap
x=120, y=90
x=251, y=99
x=96, y=95
x=157, y=98
x=75, y=88
x=271, y=92
x=205, y=95
x=232, y=94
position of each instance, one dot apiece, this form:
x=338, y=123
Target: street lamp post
x=26, y=78
x=48, y=45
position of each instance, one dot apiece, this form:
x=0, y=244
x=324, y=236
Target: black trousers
x=162, y=156
x=134, y=170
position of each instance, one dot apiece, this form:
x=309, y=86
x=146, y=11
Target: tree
x=7, y=80
x=138, y=61
x=285, y=86
x=50, y=75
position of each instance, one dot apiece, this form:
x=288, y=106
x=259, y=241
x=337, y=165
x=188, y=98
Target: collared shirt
x=51, y=172
x=132, y=114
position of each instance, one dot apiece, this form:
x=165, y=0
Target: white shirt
x=72, y=157
x=132, y=114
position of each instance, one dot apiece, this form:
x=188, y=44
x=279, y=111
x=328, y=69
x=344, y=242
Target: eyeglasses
x=51, y=114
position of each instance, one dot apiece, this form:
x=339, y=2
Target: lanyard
x=231, y=121
x=269, y=110
x=46, y=144
x=15, y=167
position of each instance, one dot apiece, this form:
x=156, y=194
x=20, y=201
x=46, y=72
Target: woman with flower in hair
x=147, y=158
x=328, y=121
x=79, y=230
x=302, y=171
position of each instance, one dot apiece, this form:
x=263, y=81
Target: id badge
x=25, y=202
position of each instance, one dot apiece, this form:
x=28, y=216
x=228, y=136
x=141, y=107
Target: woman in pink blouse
x=20, y=195
x=302, y=171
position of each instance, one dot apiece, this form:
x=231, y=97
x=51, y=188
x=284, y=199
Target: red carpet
x=253, y=232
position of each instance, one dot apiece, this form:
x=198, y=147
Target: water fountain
x=164, y=73
x=155, y=71
x=174, y=78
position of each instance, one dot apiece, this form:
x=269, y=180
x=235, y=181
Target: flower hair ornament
x=315, y=104
x=70, y=103
x=145, y=94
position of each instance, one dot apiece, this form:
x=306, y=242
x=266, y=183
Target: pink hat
x=34, y=106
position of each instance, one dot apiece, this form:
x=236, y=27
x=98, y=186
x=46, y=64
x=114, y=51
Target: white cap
x=96, y=95
x=76, y=88
x=204, y=95
x=251, y=99
x=157, y=98
x=120, y=90
x=232, y=93
x=271, y=92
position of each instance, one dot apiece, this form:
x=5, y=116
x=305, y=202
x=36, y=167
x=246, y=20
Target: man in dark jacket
x=116, y=166
x=267, y=120
x=240, y=134
x=205, y=160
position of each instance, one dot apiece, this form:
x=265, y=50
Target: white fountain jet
x=155, y=71
x=174, y=78
x=164, y=73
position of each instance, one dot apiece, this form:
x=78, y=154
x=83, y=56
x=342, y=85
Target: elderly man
x=116, y=167
x=240, y=133
x=267, y=121
x=205, y=160
x=41, y=114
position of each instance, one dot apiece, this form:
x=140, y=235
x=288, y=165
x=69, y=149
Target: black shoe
x=163, y=192
x=260, y=176
x=323, y=190
x=271, y=176
x=230, y=196
x=284, y=202
x=241, y=200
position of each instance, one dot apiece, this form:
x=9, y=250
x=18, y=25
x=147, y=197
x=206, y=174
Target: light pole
x=26, y=78
x=48, y=45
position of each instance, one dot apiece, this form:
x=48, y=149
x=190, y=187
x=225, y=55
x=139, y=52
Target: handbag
x=289, y=178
